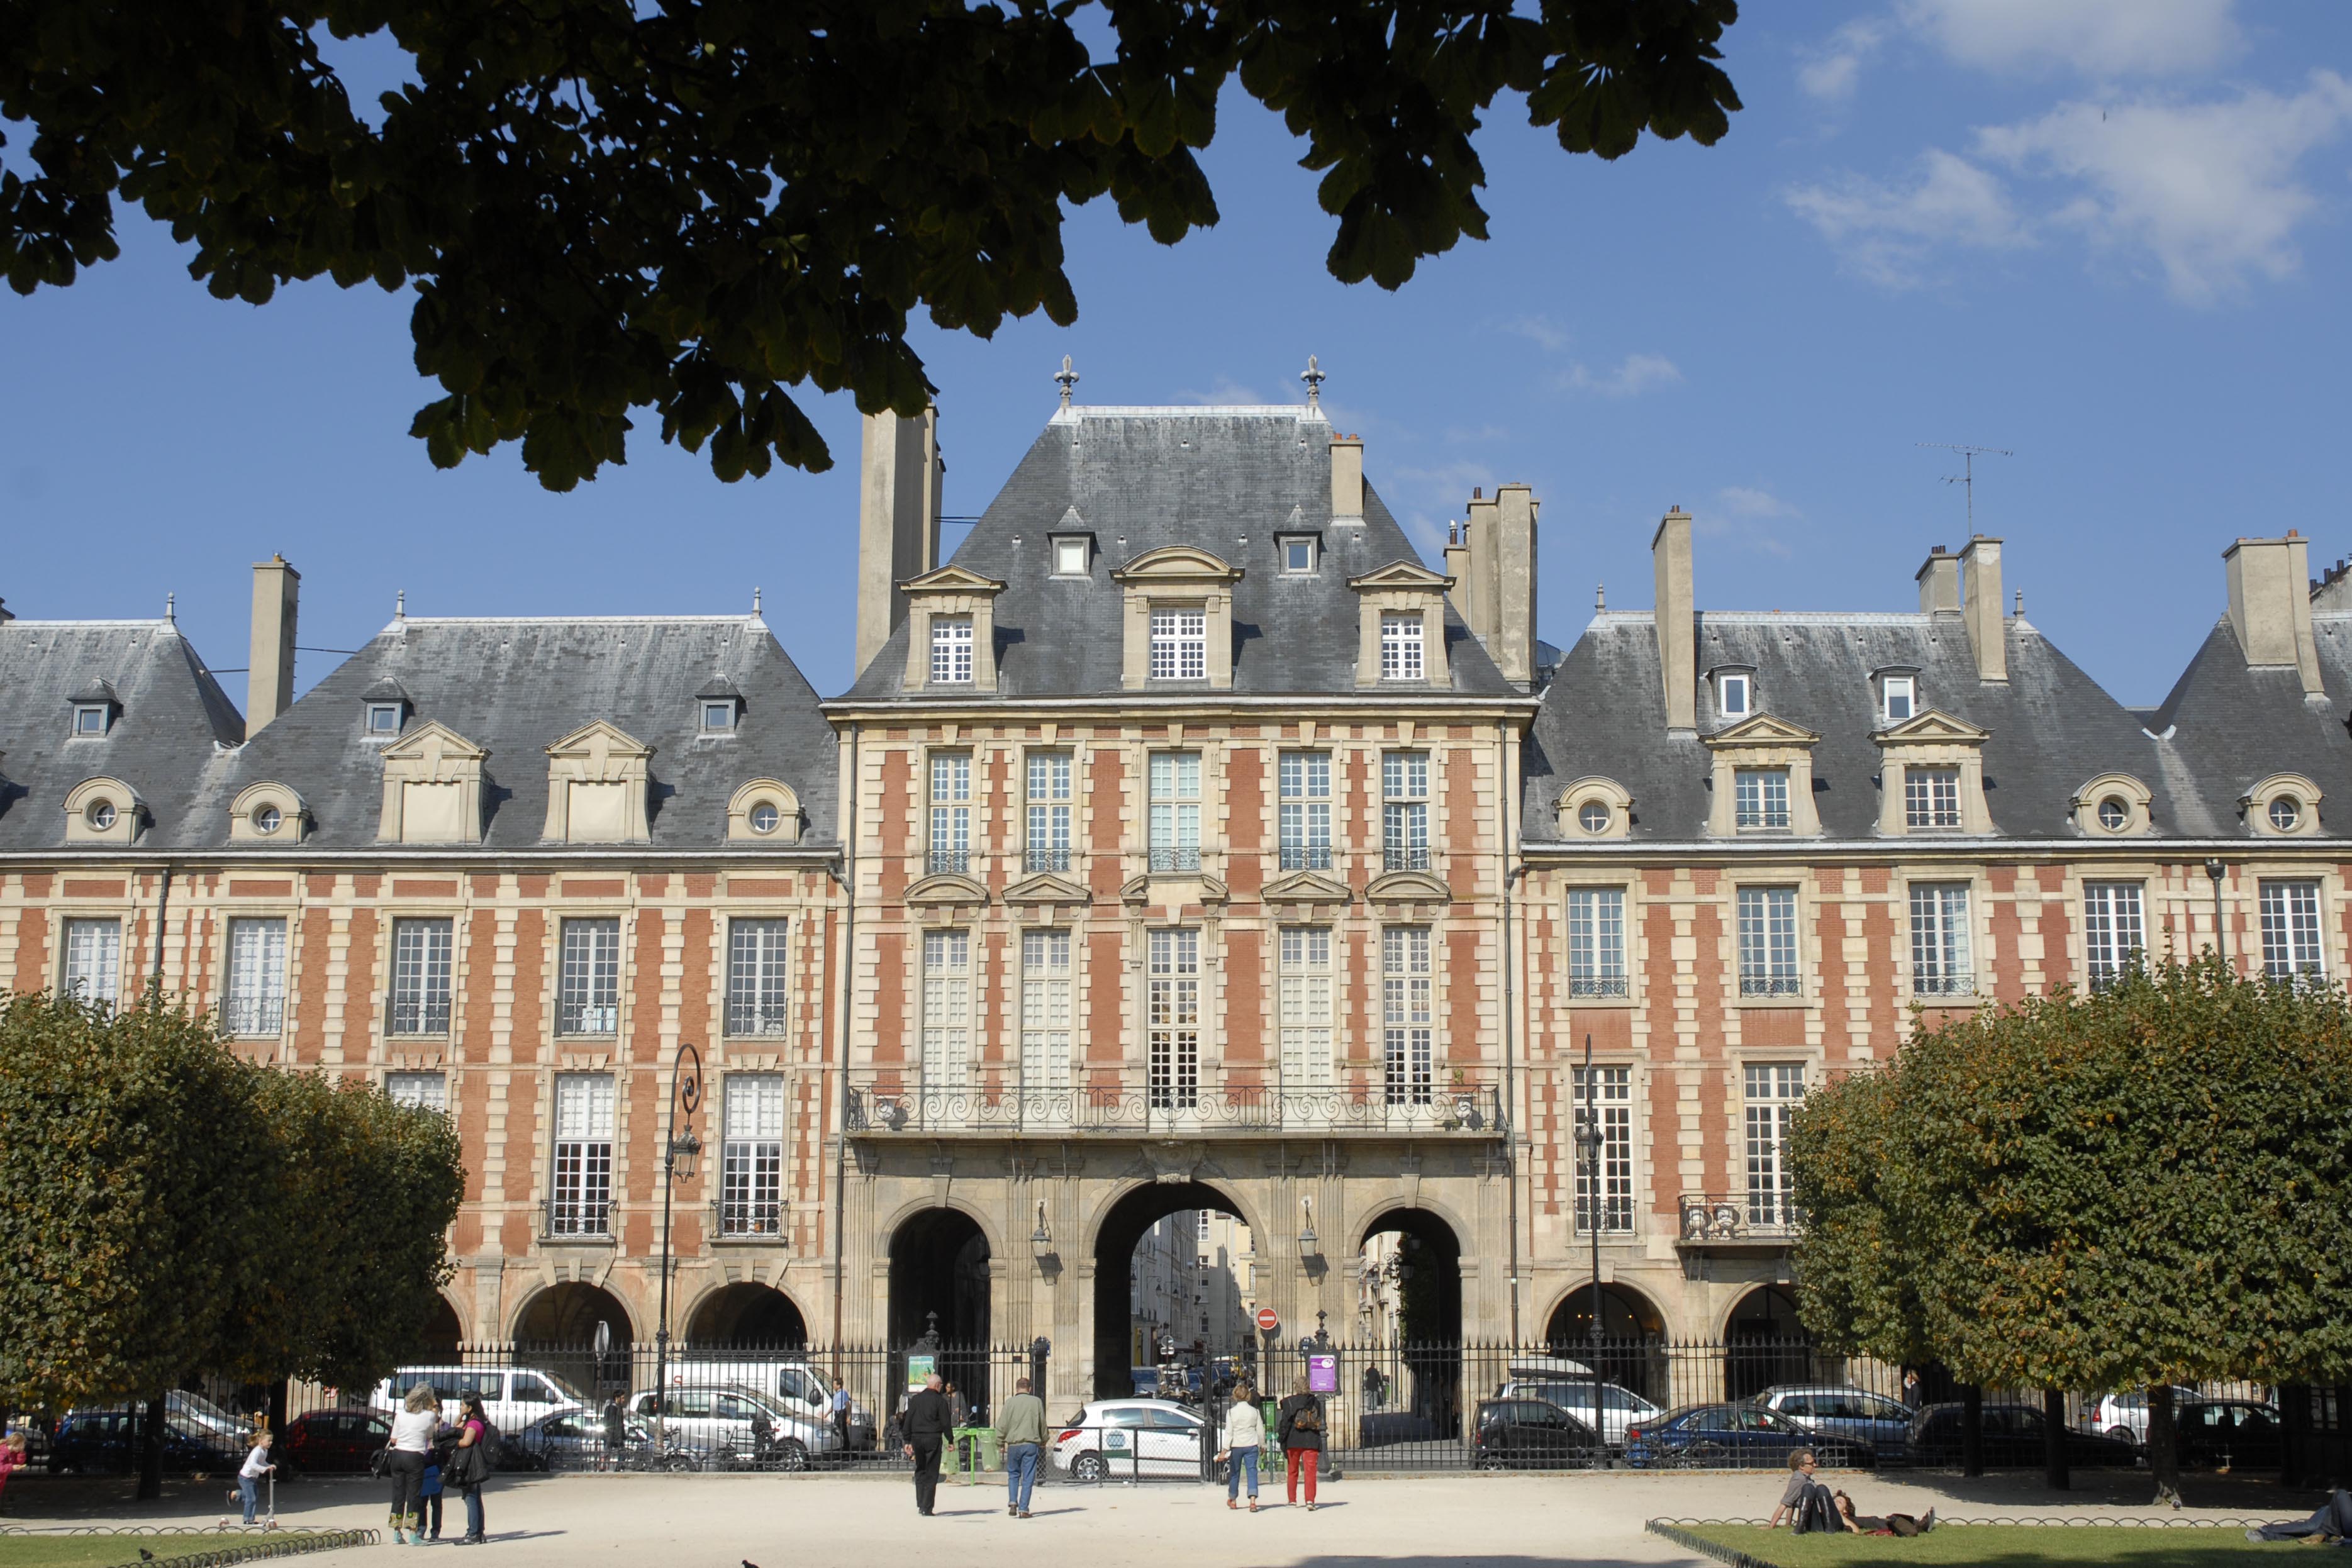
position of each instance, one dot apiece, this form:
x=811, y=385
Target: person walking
x=1244, y=1438
x=927, y=1424
x=841, y=1411
x=249, y=1474
x=469, y=1465
x=1914, y=1395
x=11, y=1456
x=616, y=1432
x=403, y=1460
x=1299, y=1428
x=1021, y=1432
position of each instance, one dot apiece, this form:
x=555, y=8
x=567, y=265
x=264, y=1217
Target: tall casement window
x=1611, y=1101
x=757, y=1000
x=1179, y=644
x=2115, y=938
x=255, y=1002
x=1596, y=941
x=1306, y=1006
x=950, y=648
x=583, y=1200
x=2290, y=930
x=1305, y=810
x=1931, y=797
x=420, y=978
x=1940, y=940
x=1172, y=1021
x=1768, y=942
x=1404, y=809
x=752, y=1157
x=946, y=1008
x=1773, y=1089
x=588, y=994
x=1401, y=648
x=950, y=811
x=419, y=1091
x=93, y=968
x=1175, y=824
x=1408, y=1012
x=1759, y=798
x=1048, y=847
x=1045, y=1011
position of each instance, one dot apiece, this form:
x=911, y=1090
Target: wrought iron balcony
x=248, y=1015
x=585, y=1219
x=1035, y=860
x=748, y=1019
x=1596, y=985
x=592, y=1019
x=1957, y=982
x=952, y=862
x=1771, y=986
x=417, y=1015
x=884, y=1102
x=1175, y=857
x=1413, y=857
x=1307, y=857
x=1762, y=1218
x=747, y=1220
x=1616, y=1216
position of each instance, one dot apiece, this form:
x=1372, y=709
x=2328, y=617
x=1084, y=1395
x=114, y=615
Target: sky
x=2095, y=232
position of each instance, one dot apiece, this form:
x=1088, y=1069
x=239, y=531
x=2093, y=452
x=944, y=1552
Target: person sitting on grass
x=1873, y=1524
x=1804, y=1499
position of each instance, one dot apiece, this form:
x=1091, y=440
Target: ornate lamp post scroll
x=679, y=1152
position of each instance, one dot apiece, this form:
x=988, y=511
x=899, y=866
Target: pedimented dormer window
x=598, y=778
x=1931, y=776
x=951, y=631
x=95, y=709
x=384, y=710
x=1762, y=778
x=432, y=788
x=1179, y=621
x=2282, y=806
x=268, y=814
x=1401, y=626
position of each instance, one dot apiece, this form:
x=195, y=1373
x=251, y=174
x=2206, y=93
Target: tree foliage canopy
x=693, y=205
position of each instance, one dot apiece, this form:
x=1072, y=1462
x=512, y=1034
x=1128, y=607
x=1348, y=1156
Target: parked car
x=573, y=1438
x=793, y=1383
x=1841, y=1410
x=1737, y=1437
x=731, y=1427
x=2012, y=1436
x=1620, y=1408
x=209, y=1416
x=107, y=1442
x=2230, y=1434
x=1115, y=1438
x=1532, y=1435
x=322, y=1440
x=514, y=1396
x=2124, y=1417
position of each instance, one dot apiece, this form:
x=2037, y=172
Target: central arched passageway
x=1123, y=1227
x=746, y=1316
x=1411, y=1380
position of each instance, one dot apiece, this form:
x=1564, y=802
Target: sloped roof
x=2231, y=726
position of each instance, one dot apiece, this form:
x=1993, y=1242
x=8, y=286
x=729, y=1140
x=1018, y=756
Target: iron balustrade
x=589, y=1018
x=1762, y=1215
x=1958, y=984
x=1772, y=984
x=956, y=863
x=1038, y=859
x=1167, y=857
x=751, y=1019
x=1596, y=985
x=1409, y=858
x=244, y=1013
x=740, y=1218
x=415, y=1015
x=1307, y=857
x=578, y=1219
x=882, y=1103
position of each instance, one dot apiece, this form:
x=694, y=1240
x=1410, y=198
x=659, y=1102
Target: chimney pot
x=1347, y=477
x=1940, y=581
x=1512, y=644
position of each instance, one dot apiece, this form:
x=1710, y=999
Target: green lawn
x=1998, y=1545
x=112, y=1551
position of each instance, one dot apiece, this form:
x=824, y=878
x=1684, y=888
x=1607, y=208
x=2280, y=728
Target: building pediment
x=1305, y=888
x=599, y=745
x=1162, y=888
x=947, y=888
x=1046, y=888
x=952, y=579
x=1408, y=887
x=1401, y=574
x=1932, y=728
x=1176, y=563
x=1763, y=731
x=433, y=746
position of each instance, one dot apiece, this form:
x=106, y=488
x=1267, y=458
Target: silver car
x=731, y=1426
x=1620, y=1408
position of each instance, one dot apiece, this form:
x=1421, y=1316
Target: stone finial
x=400, y=605
x=1314, y=377
x=170, y=609
x=1066, y=379
x=1599, y=596
x=755, y=600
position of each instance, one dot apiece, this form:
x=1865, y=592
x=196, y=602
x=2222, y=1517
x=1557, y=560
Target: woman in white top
x=412, y=1439
x=1245, y=1435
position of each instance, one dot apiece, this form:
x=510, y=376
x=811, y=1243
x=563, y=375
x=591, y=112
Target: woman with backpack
x=469, y=1467
x=1299, y=1429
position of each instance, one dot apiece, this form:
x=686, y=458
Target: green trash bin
x=970, y=1451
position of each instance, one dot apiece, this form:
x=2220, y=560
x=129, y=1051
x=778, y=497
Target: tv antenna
x=1966, y=477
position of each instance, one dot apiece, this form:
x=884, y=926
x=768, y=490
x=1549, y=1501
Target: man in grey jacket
x=1020, y=1428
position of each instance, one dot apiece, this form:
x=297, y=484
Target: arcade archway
x=1766, y=1343
x=559, y=1329
x=746, y=1316
x=940, y=1278
x=1633, y=1337
x=1123, y=1228
x=441, y=1334
x=1409, y=1272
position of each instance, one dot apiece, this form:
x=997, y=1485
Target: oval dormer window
x=101, y=815
x=2114, y=814
x=764, y=817
x=267, y=820
x=2285, y=812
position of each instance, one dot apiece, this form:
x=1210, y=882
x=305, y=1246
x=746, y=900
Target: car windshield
x=565, y=1389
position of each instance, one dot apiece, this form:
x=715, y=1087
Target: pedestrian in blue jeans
x=1245, y=1435
x=248, y=1476
x=1020, y=1427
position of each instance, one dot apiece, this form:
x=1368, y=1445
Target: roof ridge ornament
x=1066, y=379
x=1314, y=377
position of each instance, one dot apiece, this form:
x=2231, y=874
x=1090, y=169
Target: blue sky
x=2096, y=232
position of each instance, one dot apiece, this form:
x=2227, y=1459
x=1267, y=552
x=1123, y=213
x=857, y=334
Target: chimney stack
x=898, y=519
x=1347, y=476
x=1987, y=631
x=269, y=664
x=1457, y=566
x=1481, y=588
x=1676, y=618
x=1512, y=643
x=2270, y=605
x=1939, y=582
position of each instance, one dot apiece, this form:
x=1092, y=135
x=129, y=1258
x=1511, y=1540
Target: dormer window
x=764, y=817
x=718, y=705
x=1071, y=553
x=90, y=718
x=718, y=718
x=1760, y=798
x=951, y=650
x=1179, y=644
x=1297, y=555
x=268, y=819
x=1735, y=694
x=383, y=719
x=1897, y=700
x=1401, y=647
x=94, y=709
x=101, y=815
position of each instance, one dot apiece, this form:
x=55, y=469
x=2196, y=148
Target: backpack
x=1308, y=1419
x=1818, y=1512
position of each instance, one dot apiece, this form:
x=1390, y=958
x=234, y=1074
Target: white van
x=514, y=1396
x=797, y=1388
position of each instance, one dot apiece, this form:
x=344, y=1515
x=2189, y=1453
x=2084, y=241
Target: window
x=1304, y=1005
x=2115, y=815
x=1404, y=809
x=1733, y=696
x=718, y=718
x=2114, y=937
x=1899, y=692
x=1768, y=942
x=1400, y=647
x=951, y=812
x=1069, y=557
x=752, y=1157
x=1303, y=819
x=1298, y=557
x=951, y=648
x=420, y=978
x=1773, y=1090
x=1931, y=797
x=2290, y=930
x=94, y=960
x=101, y=815
x=1179, y=644
x=1049, y=812
x=1407, y=1012
x=1593, y=816
x=1175, y=819
x=266, y=820
x=1172, y=1021
x=757, y=970
x=946, y=1008
x=383, y=718
x=1940, y=940
x=254, y=1003
x=1596, y=941
x=1760, y=796
x=764, y=817
x=1611, y=1093
x=582, y=1204
x=1045, y=1011
x=2285, y=812
x=421, y=1090
x=588, y=991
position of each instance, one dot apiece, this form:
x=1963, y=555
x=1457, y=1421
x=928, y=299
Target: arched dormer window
x=268, y=814
x=764, y=811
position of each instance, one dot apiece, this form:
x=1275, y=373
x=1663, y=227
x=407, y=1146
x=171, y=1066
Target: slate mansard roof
x=2233, y=726
x=1224, y=480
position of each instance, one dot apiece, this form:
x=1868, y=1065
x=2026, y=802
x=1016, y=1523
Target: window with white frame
x=1402, y=652
x=1173, y=1019
x=420, y=978
x=2114, y=936
x=752, y=1155
x=1045, y=1011
x=588, y=989
x=1734, y=695
x=93, y=960
x=255, y=1001
x=1297, y=555
x=91, y=718
x=1404, y=809
x=1070, y=557
x=758, y=975
x=1940, y=940
x=1898, y=698
x=950, y=648
x=1607, y=1094
x=1048, y=847
x=582, y=1201
x=1174, y=824
x=1773, y=1089
x=418, y=1091
x=1179, y=644
x=1768, y=942
x=1931, y=797
x=1596, y=941
x=1408, y=1015
x=1304, y=814
x=1305, y=1006
x=946, y=1008
x=950, y=845
x=2290, y=930
x=1760, y=796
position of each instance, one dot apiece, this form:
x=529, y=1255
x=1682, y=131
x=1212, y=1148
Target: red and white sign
x=1269, y=1320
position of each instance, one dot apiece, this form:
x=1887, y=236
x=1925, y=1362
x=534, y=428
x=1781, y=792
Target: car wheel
x=2123, y=1434
x=790, y=1455
x=1087, y=1468
x=680, y=1464
x=1491, y=1462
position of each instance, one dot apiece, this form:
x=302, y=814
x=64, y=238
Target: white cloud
x=2099, y=39
x=1635, y=374
x=1745, y=501
x=1831, y=71
x=1741, y=517
x=1224, y=392
x=1888, y=232
x=2209, y=190
x=1541, y=330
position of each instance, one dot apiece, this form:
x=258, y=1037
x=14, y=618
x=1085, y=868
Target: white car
x=2124, y=1417
x=793, y=1386
x=721, y=1427
x=1114, y=1439
x=1620, y=1408
x=514, y=1396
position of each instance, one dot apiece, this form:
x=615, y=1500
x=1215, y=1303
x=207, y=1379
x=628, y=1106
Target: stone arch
x=1633, y=1336
x=1115, y=1232
x=1765, y=1342
x=746, y=1316
x=1419, y=1375
x=556, y=1329
x=443, y=1332
x=940, y=1275
x=1439, y=1234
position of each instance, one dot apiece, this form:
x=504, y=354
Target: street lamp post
x=679, y=1151
x=1588, y=1139
x=2217, y=870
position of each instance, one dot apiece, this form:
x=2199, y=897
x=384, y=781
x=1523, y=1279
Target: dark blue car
x=104, y=1442
x=1734, y=1437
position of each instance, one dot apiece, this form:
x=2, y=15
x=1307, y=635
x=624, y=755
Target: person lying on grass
x=1875, y=1524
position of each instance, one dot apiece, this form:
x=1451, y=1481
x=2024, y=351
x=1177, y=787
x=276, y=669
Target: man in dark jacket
x=1300, y=1433
x=927, y=1423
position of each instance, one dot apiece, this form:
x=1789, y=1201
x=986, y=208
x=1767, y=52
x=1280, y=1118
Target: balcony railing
x=747, y=1019
x=1175, y=857
x=1307, y=857
x=580, y=1218
x=1772, y=984
x=1413, y=857
x=1034, y=861
x=587, y=1018
x=948, y=862
x=1957, y=984
x=1762, y=1215
x=1596, y=985
x=747, y=1218
x=245, y=1014
x=417, y=1015
x=1616, y=1216
x=884, y=1102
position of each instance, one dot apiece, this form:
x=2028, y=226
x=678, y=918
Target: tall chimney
x=1987, y=631
x=897, y=520
x=1676, y=618
x=1347, y=476
x=1940, y=581
x=1481, y=590
x=269, y=664
x=1512, y=644
x=2270, y=605
x=1457, y=566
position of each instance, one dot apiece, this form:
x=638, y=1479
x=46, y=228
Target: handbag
x=380, y=1462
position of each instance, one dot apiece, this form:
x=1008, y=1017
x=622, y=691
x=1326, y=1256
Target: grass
x=1994, y=1544
x=112, y=1551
